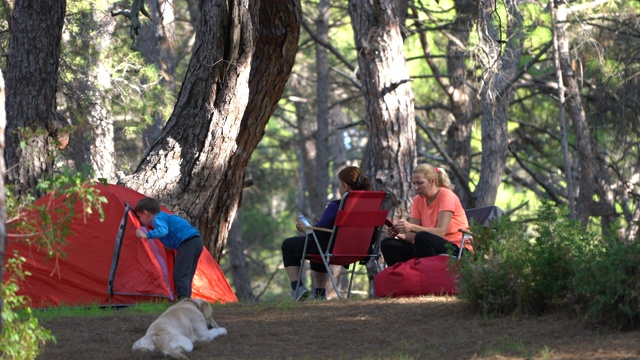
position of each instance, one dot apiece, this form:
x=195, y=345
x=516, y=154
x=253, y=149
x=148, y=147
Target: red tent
x=104, y=262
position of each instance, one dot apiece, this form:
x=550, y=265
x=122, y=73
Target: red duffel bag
x=416, y=277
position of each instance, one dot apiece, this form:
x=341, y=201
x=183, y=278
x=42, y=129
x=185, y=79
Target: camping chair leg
x=325, y=261
x=302, y=262
x=353, y=270
x=333, y=282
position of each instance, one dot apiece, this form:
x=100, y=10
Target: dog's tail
x=164, y=343
x=173, y=353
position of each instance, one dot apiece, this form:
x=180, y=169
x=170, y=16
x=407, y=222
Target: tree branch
x=137, y=7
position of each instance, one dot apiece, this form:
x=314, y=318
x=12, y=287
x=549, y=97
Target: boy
x=176, y=233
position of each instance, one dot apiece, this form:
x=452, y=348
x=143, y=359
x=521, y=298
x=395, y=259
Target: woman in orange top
x=436, y=217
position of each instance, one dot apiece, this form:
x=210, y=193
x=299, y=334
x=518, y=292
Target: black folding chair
x=482, y=216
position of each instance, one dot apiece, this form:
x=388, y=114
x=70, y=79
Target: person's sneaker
x=318, y=297
x=301, y=295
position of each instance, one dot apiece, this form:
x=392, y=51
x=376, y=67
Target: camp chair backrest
x=482, y=216
x=355, y=225
x=360, y=216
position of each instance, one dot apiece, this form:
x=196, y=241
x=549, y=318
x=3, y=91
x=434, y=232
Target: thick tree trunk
x=391, y=148
x=391, y=154
x=497, y=91
x=3, y=204
x=33, y=125
x=242, y=58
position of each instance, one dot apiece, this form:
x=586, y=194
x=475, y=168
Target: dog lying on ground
x=176, y=329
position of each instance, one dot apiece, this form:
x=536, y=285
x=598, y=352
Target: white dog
x=176, y=329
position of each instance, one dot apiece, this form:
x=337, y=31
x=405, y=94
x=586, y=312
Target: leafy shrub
x=553, y=263
x=607, y=287
x=22, y=337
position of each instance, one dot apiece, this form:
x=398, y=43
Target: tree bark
x=575, y=109
x=322, y=111
x=33, y=125
x=3, y=204
x=156, y=44
x=461, y=97
x=239, y=269
x=88, y=102
x=242, y=58
x=390, y=155
x=391, y=147
x=308, y=200
x=501, y=67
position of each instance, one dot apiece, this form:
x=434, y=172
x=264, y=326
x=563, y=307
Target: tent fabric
x=141, y=269
x=416, y=277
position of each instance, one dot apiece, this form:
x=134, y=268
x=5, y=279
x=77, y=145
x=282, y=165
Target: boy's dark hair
x=149, y=204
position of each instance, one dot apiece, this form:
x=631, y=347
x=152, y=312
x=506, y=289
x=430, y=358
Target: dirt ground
x=415, y=328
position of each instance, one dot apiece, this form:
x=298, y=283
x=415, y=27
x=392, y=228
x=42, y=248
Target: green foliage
x=48, y=230
x=607, y=288
x=22, y=337
x=553, y=263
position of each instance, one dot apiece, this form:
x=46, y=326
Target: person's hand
x=141, y=234
x=402, y=226
x=300, y=226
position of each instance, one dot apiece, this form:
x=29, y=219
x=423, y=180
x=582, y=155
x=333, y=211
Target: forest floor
x=412, y=328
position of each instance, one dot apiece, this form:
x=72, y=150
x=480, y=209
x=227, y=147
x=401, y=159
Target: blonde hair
x=430, y=173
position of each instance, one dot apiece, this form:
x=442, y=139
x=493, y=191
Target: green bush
x=553, y=263
x=607, y=287
x=22, y=337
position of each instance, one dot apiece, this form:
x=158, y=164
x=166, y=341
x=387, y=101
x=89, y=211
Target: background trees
x=474, y=88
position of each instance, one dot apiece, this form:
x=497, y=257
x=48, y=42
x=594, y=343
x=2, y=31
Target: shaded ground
x=416, y=328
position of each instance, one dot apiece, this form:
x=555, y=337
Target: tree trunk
x=239, y=269
x=88, y=105
x=308, y=202
x=242, y=58
x=156, y=44
x=461, y=97
x=322, y=107
x=391, y=154
x=457, y=154
x=3, y=204
x=575, y=109
x=501, y=67
x=33, y=125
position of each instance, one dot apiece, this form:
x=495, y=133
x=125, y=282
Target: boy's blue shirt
x=171, y=230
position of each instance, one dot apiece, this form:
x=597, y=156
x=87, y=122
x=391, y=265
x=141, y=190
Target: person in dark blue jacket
x=349, y=178
x=175, y=233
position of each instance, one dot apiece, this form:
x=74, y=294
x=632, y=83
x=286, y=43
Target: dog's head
x=207, y=311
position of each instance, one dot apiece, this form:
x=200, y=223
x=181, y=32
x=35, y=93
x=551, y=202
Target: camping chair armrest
x=316, y=228
x=465, y=232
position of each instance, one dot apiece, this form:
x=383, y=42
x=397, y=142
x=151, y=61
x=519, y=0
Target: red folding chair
x=354, y=234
